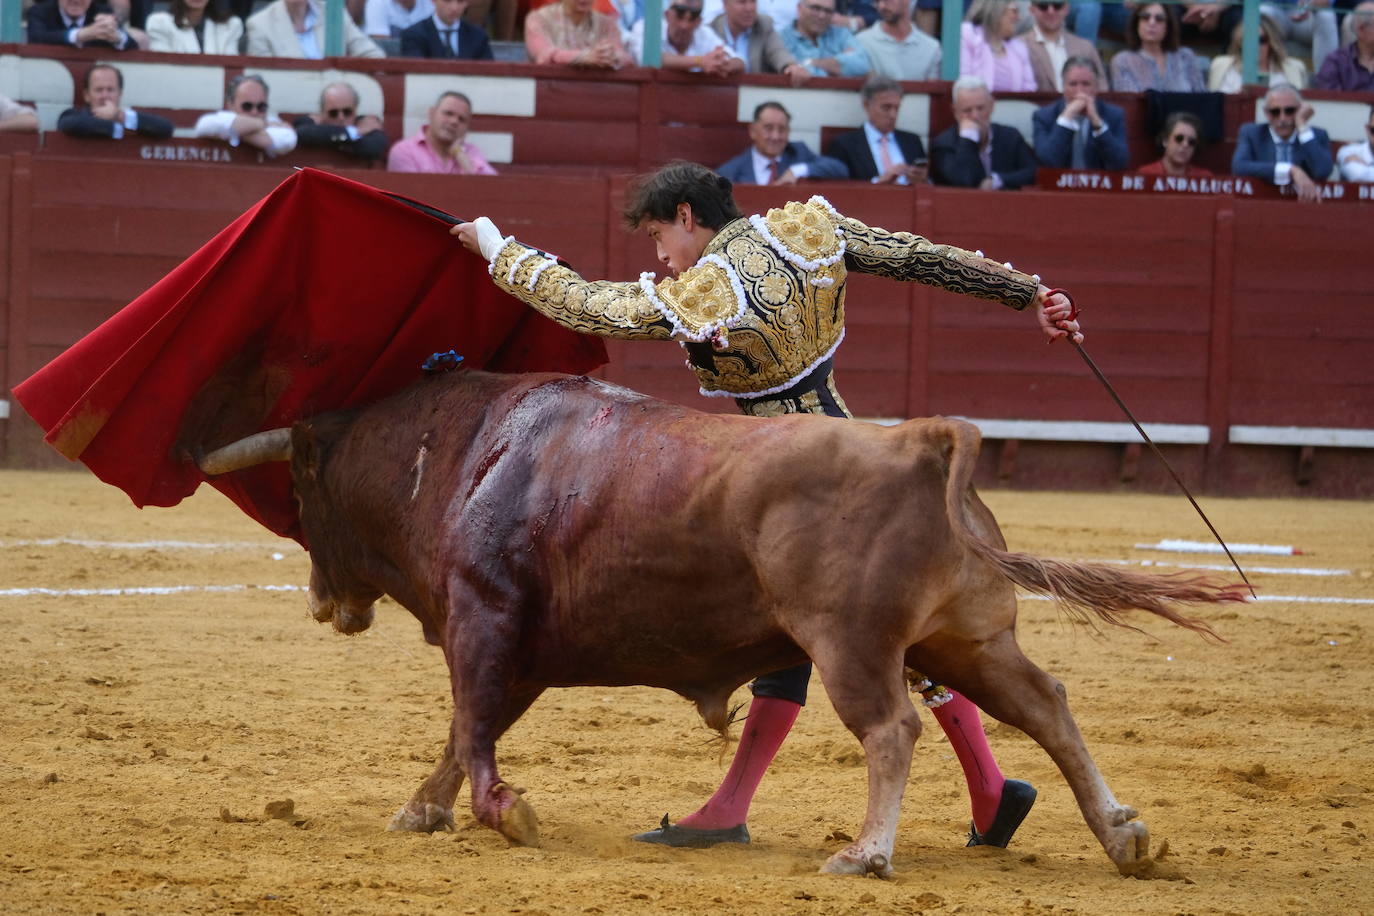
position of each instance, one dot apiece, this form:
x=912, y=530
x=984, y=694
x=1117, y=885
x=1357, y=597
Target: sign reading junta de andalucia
x=1231, y=185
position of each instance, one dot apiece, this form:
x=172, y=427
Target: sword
x=1154, y=448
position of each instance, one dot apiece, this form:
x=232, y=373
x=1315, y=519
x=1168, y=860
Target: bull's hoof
x=1128, y=846
x=849, y=861
x=519, y=825
x=432, y=819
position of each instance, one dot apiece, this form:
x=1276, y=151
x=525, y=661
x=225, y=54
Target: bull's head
x=334, y=595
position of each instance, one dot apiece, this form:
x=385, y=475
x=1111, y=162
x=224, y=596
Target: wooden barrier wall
x=1206, y=312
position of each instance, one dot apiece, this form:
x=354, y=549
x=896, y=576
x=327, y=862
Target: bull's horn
x=269, y=445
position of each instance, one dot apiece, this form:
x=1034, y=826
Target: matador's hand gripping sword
x=1138, y=428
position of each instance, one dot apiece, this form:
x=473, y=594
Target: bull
x=556, y=531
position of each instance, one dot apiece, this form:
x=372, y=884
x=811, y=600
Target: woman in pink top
x=570, y=32
x=988, y=50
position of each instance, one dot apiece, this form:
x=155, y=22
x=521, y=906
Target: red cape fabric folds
x=326, y=294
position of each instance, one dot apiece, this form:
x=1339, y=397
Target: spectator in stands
x=1180, y=141
x=1275, y=66
x=1208, y=22
x=1351, y=69
x=976, y=153
x=686, y=46
x=1356, y=159
x=245, y=119
x=1310, y=23
x=194, y=27
x=1087, y=18
x=77, y=24
x=445, y=35
x=928, y=14
x=1050, y=45
x=824, y=49
x=878, y=152
x=15, y=117
x=440, y=147
x=755, y=41
x=989, y=49
x=295, y=28
x=896, y=48
x=389, y=18
x=1286, y=150
x=105, y=114
x=1155, y=59
x=1080, y=131
x=571, y=32
x=774, y=158
x=338, y=126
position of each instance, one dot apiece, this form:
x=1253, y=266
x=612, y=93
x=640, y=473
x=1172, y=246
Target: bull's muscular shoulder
x=807, y=234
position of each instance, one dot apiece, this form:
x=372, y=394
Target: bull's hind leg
x=1007, y=685
x=868, y=691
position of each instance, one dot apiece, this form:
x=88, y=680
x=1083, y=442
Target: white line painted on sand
x=149, y=545
x=141, y=590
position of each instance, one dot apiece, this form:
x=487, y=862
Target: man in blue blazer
x=1078, y=131
x=773, y=159
x=976, y=153
x=77, y=24
x=878, y=152
x=445, y=36
x=1286, y=150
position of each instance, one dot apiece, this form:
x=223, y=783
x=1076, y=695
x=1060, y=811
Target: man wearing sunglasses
x=687, y=46
x=105, y=114
x=245, y=120
x=1286, y=150
x=1051, y=45
x=338, y=126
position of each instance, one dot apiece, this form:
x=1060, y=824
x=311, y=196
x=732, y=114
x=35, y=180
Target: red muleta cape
x=326, y=294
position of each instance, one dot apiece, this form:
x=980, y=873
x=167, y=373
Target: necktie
x=772, y=171
x=1285, y=151
x=884, y=154
x=450, y=40
x=1080, y=145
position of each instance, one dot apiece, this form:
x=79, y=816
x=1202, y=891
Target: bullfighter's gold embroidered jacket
x=767, y=294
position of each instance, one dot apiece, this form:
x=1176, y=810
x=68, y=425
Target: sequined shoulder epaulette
x=702, y=302
x=805, y=234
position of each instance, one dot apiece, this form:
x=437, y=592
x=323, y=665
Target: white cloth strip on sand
x=1178, y=546
x=150, y=545
x=1223, y=567
x=141, y=590
x=1267, y=599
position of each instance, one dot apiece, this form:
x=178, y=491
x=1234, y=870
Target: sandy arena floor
x=143, y=735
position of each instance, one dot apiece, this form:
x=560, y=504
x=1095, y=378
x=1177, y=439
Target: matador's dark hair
x=655, y=196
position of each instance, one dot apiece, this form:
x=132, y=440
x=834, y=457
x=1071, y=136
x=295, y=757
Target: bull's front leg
x=872, y=701
x=431, y=808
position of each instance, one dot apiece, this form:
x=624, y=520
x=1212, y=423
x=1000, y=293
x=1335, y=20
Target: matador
x=758, y=304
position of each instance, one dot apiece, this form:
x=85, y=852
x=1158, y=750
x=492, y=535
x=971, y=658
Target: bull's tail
x=1087, y=592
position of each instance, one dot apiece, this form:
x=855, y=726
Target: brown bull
x=551, y=531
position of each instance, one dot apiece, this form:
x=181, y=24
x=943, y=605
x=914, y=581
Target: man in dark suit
x=976, y=153
x=1079, y=131
x=338, y=126
x=105, y=114
x=773, y=158
x=1286, y=151
x=445, y=35
x=77, y=24
x=878, y=152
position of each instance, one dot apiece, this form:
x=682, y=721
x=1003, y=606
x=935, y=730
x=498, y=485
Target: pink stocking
x=964, y=729
x=767, y=725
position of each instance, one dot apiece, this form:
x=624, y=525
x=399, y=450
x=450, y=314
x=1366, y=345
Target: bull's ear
x=305, y=452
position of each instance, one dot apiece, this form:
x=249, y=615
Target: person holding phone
x=878, y=152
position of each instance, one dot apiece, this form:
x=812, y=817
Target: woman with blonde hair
x=195, y=27
x=989, y=50
x=572, y=33
x=1275, y=66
